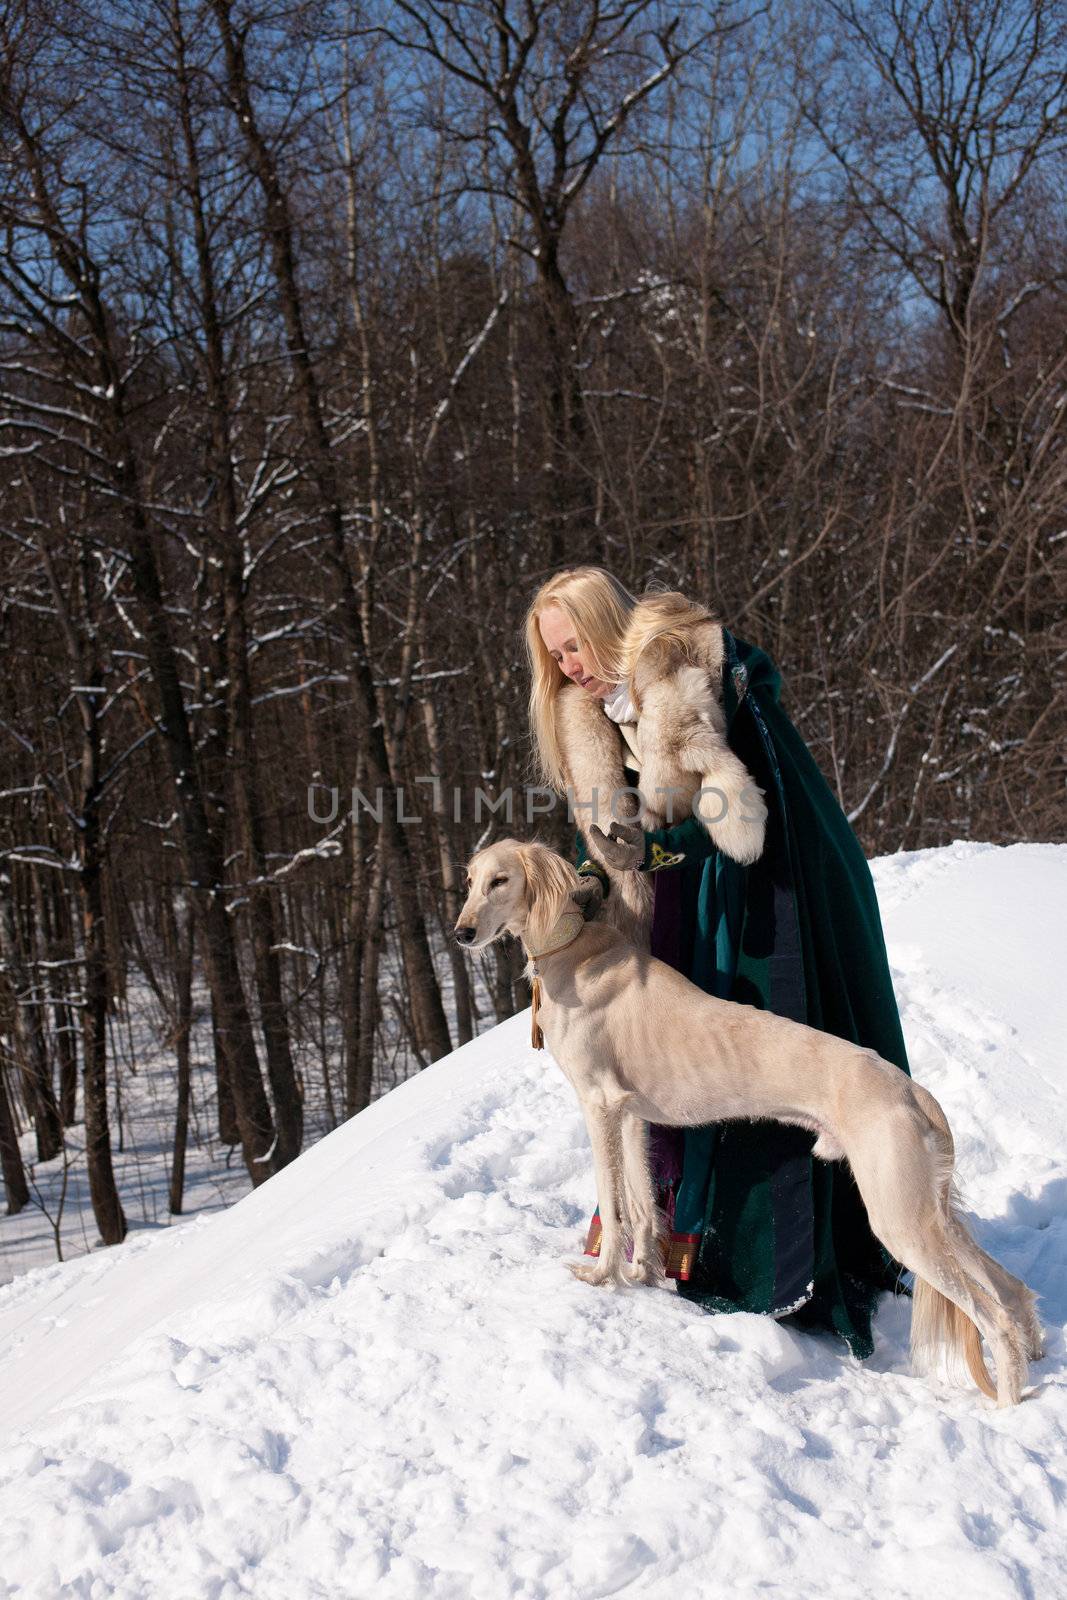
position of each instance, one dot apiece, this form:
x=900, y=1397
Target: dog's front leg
x=602, y=1121
x=647, y=1264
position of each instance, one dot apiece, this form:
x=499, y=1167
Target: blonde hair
x=598, y=608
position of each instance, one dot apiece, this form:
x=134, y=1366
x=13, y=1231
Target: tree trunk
x=504, y=976
x=15, y=1185
x=30, y=1053
x=225, y=1111
x=288, y=1105
x=565, y=486
x=107, y=1208
x=183, y=1014
x=54, y=919
x=356, y=914
x=460, y=963
x=359, y=1079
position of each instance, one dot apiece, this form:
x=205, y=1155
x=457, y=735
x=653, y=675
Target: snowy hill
x=374, y=1378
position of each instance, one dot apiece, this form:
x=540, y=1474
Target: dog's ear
x=538, y=861
x=550, y=882
x=523, y=853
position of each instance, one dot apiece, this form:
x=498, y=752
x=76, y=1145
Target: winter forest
x=327, y=331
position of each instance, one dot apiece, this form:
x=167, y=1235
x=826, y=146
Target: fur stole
x=593, y=758
x=687, y=766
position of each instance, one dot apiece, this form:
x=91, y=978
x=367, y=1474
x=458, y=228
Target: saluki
x=639, y=1043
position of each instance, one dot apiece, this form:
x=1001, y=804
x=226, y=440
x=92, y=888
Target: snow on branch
x=325, y=849
x=442, y=408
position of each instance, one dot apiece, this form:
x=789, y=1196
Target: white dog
x=639, y=1043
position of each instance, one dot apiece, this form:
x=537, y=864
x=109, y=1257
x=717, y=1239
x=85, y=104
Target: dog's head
x=515, y=888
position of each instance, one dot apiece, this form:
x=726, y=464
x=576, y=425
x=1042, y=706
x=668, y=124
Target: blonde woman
x=755, y=1224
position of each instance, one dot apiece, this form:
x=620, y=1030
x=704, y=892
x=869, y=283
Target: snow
x=374, y=1377
x=142, y=1128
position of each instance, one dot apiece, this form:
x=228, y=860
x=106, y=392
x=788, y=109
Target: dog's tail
x=938, y=1327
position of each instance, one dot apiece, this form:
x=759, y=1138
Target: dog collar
x=564, y=933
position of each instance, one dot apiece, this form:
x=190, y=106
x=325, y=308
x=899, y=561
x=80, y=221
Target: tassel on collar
x=537, y=1038
x=564, y=933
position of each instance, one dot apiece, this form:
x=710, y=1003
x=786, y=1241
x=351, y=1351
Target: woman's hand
x=623, y=847
x=589, y=896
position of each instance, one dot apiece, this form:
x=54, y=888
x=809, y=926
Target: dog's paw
x=647, y=1272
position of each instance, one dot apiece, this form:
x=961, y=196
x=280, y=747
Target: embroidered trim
x=658, y=857
x=563, y=934
x=740, y=676
x=680, y=1253
x=593, y=869
x=677, y=1250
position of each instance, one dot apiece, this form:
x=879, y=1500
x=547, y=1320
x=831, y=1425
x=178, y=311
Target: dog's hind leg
x=642, y=1216
x=938, y=1266
x=1014, y=1295
x=902, y=1166
x=1016, y=1298
x=602, y=1119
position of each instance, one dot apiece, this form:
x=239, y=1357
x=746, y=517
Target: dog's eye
x=496, y=882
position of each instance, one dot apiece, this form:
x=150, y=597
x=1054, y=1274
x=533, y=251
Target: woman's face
x=563, y=644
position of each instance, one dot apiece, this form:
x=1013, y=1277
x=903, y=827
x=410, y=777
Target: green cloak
x=799, y=933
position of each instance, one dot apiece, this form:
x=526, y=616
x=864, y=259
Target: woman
x=756, y=1224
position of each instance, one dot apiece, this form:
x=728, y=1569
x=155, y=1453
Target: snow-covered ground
x=141, y=1110
x=141, y=1096
x=373, y=1377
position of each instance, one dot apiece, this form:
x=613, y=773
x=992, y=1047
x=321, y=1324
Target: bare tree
x=44, y=203
x=554, y=89
x=15, y=1185
x=428, y=1012
x=940, y=129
